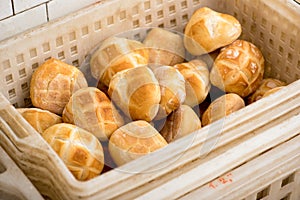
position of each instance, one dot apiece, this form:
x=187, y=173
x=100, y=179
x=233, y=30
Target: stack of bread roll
x=152, y=93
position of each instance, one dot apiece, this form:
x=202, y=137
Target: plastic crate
x=187, y=164
x=14, y=185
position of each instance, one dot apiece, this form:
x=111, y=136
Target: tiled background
x=17, y=16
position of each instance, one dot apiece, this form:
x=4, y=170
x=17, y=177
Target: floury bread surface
x=265, y=85
x=90, y=109
x=116, y=54
x=208, y=30
x=197, y=84
x=221, y=107
x=172, y=89
x=136, y=92
x=53, y=83
x=133, y=140
x=179, y=123
x=39, y=119
x=80, y=150
x=239, y=68
x=165, y=47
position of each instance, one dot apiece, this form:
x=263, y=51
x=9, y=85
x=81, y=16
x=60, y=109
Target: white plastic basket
x=277, y=176
x=13, y=182
x=187, y=164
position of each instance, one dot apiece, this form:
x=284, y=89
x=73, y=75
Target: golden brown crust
x=134, y=140
x=197, y=84
x=90, y=109
x=208, y=30
x=265, y=85
x=221, y=107
x=39, y=119
x=80, y=150
x=165, y=47
x=239, y=68
x=181, y=122
x=136, y=92
x=116, y=54
x=53, y=83
x=172, y=87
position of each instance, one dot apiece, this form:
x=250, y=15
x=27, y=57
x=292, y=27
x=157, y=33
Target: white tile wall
x=21, y=5
x=58, y=8
x=17, y=16
x=21, y=22
x=5, y=9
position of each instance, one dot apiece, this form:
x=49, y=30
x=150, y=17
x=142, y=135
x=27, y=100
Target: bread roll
x=116, y=54
x=165, y=47
x=221, y=107
x=181, y=122
x=239, y=68
x=272, y=91
x=39, y=119
x=172, y=89
x=134, y=140
x=53, y=83
x=136, y=92
x=197, y=83
x=90, y=109
x=208, y=30
x=80, y=150
x=265, y=85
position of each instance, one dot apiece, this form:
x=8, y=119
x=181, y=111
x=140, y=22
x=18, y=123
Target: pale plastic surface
x=270, y=24
x=14, y=185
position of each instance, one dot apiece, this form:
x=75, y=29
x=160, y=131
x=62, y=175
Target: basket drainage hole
x=263, y=193
x=6, y=64
x=185, y=18
x=2, y=168
x=24, y=87
x=287, y=180
x=12, y=93
x=184, y=4
x=61, y=55
x=9, y=79
x=75, y=63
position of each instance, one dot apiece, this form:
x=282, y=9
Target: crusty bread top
x=90, y=109
x=208, y=30
x=197, y=84
x=239, y=68
x=165, y=47
x=80, y=150
x=221, y=107
x=39, y=119
x=265, y=85
x=136, y=92
x=172, y=89
x=53, y=83
x=134, y=140
x=179, y=123
x=138, y=137
x=116, y=54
